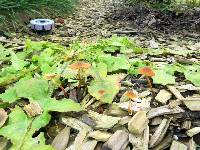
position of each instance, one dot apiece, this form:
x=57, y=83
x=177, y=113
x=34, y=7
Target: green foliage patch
x=35, y=73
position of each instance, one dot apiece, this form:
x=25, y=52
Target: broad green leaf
x=115, y=63
x=194, y=77
x=3, y=53
x=17, y=63
x=105, y=89
x=99, y=70
x=9, y=96
x=135, y=64
x=161, y=77
x=192, y=73
x=17, y=130
x=36, y=91
x=32, y=89
x=31, y=46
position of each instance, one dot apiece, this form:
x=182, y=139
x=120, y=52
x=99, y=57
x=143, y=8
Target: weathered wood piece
x=115, y=110
x=118, y=141
x=140, y=142
x=156, y=121
x=80, y=138
x=103, y=121
x=193, y=103
x=164, y=110
x=75, y=124
x=163, y=96
x=100, y=135
x=138, y=122
x=165, y=143
x=175, y=92
x=3, y=117
x=192, y=145
x=89, y=145
x=178, y=146
x=186, y=124
x=61, y=140
x=159, y=133
x=193, y=131
x=33, y=109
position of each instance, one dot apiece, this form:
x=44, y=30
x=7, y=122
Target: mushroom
x=147, y=72
x=132, y=96
x=52, y=77
x=80, y=66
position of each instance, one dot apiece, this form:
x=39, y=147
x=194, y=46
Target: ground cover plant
x=14, y=12
x=41, y=79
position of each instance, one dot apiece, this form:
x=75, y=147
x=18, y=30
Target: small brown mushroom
x=147, y=72
x=80, y=66
x=131, y=96
x=51, y=77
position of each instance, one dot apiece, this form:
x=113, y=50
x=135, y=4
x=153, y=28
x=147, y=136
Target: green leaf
x=17, y=130
x=162, y=77
x=36, y=91
x=17, y=63
x=3, y=53
x=192, y=73
x=9, y=96
x=115, y=63
x=32, y=89
x=137, y=63
x=99, y=70
x=105, y=89
x=194, y=77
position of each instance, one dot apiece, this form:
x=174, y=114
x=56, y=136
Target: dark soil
x=166, y=22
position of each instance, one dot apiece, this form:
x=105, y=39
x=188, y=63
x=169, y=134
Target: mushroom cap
x=131, y=95
x=79, y=65
x=147, y=71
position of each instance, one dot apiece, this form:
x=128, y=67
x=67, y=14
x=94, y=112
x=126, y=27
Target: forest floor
x=165, y=115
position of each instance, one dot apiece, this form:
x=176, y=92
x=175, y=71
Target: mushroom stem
x=79, y=74
x=150, y=86
x=61, y=87
x=130, y=108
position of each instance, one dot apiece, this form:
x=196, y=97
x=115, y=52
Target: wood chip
x=33, y=109
x=3, y=117
x=89, y=145
x=76, y=124
x=192, y=103
x=156, y=121
x=192, y=145
x=159, y=133
x=189, y=87
x=79, y=140
x=100, y=135
x=138, y=123
x=103, y=121
x=140, y=142
x=193, y=131
x=186, y=124
x=115, y=110
x=114, y=143
x=175, y=92
x=178, y=146
x=163, y=96
x=61, y=140
x=163, y=110
x=165, y=143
